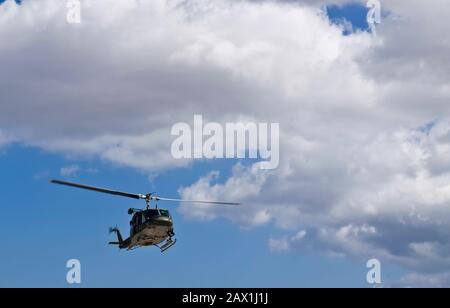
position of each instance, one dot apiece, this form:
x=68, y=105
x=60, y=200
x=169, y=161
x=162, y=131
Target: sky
x=364, y=141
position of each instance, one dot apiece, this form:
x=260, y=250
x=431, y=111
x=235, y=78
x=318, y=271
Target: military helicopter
x=149, y=226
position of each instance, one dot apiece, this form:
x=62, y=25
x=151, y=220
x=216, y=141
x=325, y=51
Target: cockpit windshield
x=152, y=213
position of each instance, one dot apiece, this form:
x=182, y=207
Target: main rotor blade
x=97, y=189
x=193, y=201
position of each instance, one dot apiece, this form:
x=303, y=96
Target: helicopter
x=149, y=226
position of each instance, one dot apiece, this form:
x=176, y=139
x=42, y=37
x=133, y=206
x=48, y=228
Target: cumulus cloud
x=244, y=185
x=365, y=133
x=74, y=170
x=69, y=170
x=420, y=280
x=278, y=245
x=387, y=197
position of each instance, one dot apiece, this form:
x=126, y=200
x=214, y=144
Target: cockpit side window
x=138, y=219
x=164, y=213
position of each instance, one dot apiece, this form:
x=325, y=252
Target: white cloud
x=69, y=170
x=278, y=245
x=420, y=280
x=356, y=173
x=389, y=198
x=244, y=185
x=152, y=178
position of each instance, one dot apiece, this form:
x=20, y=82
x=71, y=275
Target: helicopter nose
x=164, y=221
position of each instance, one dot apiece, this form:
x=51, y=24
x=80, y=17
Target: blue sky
x=44, y=225
x=18, y=1
x=355, y=13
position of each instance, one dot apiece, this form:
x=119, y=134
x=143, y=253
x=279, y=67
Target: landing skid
x=168, y=244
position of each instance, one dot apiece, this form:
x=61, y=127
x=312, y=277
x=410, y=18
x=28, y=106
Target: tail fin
x=119, y=236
